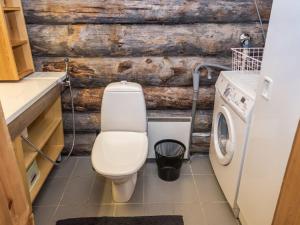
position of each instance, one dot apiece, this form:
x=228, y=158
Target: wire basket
x=247, y=59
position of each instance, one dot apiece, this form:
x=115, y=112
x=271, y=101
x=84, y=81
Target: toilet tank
x=123, y=108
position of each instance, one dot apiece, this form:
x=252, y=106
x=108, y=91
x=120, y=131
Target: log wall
x=154, y=43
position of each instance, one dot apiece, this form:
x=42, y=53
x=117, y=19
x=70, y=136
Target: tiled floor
x=75, y=190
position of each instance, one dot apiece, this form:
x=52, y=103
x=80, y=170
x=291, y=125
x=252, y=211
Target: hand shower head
x=66, y=60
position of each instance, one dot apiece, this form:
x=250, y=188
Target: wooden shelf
x=25, y=72
x=45, y=168
x=46, y=132
x=52, y=149
x=15, y=52
x=21, y=61
x=11, y=9
x=39, y=133
x=42, y=130
x=16, y=43
x=39, y=139
x=29, y=155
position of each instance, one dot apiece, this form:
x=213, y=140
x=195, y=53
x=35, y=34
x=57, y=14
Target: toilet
x=121, y=148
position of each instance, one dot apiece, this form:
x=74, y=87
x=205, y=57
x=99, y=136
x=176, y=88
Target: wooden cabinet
x=288, y=205
x=15, y=53
x=14, y=206
x=46, y=133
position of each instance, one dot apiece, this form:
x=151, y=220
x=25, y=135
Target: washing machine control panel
x=236, y=98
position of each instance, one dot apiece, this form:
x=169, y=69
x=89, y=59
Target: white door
x=224, y=137
x=275, y=118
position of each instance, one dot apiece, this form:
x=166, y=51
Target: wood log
x=84, y=122
x=156, y=98
x=84, y=99
x=85, y=141
x=83, y=144
x=148, y=71
x=135, y=40
x=199, y=150
x=150, y=11
x=200, y=142
x=90, y=121
x=178, y=98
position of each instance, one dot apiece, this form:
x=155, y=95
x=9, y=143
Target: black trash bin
x=169, y=156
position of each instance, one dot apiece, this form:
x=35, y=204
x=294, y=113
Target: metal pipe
x=196, y=87
x=260, y=20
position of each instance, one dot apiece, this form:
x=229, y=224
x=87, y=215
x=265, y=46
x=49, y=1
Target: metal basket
x=247, y=59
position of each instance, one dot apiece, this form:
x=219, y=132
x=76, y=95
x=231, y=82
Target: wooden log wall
x=154, y=43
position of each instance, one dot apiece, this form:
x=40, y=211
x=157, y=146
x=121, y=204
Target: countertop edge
x=56, y=81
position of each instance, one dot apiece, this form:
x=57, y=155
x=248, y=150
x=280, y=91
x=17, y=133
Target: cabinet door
x=288, y=206
x=14, y=206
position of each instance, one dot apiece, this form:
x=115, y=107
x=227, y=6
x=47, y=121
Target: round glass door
x=224, y=136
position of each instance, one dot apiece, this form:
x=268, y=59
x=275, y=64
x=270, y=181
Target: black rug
x=140, y=220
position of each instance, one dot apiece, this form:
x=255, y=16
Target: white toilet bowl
x=121, y=148
x=123, y=187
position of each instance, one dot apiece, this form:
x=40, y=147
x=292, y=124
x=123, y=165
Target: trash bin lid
x=169, y=148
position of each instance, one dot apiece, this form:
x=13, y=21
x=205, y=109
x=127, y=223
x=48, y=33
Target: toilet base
x=122, y=189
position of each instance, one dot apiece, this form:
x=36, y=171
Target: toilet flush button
x=124, y=82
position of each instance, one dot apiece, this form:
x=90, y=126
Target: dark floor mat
x=140, y=220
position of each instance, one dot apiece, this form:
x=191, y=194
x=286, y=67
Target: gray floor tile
x=51, y=192
x=158, y=209
x=208, y=188
x=66, y=212
x=186, y=168
x=77, y=190
x=192, y=213
x=83, y=167
x=141, y=170
x=89, y=194
x=129, y=210
x=98, y=210
x=150, y=168
x=65, y=169
x=101, y=191
x=219, y=213
x=137, y=196
x=42, y=215
x=182, y=190
x=201, y=165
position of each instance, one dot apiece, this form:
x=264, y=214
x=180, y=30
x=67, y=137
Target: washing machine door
x=224, y=137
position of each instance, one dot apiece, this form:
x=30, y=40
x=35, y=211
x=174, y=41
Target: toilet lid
x=117, y=153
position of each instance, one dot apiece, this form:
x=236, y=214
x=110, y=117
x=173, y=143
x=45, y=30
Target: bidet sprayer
x=68, y=80
x=66, y=60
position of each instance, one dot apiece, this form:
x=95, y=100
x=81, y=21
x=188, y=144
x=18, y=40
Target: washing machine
x=234, y=101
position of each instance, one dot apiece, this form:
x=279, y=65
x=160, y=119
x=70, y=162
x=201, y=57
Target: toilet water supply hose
x=66, y=83
x=196, y=87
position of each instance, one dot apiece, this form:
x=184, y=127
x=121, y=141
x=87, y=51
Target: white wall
x=275, y=121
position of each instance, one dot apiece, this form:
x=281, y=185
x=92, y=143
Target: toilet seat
x=119, y=153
